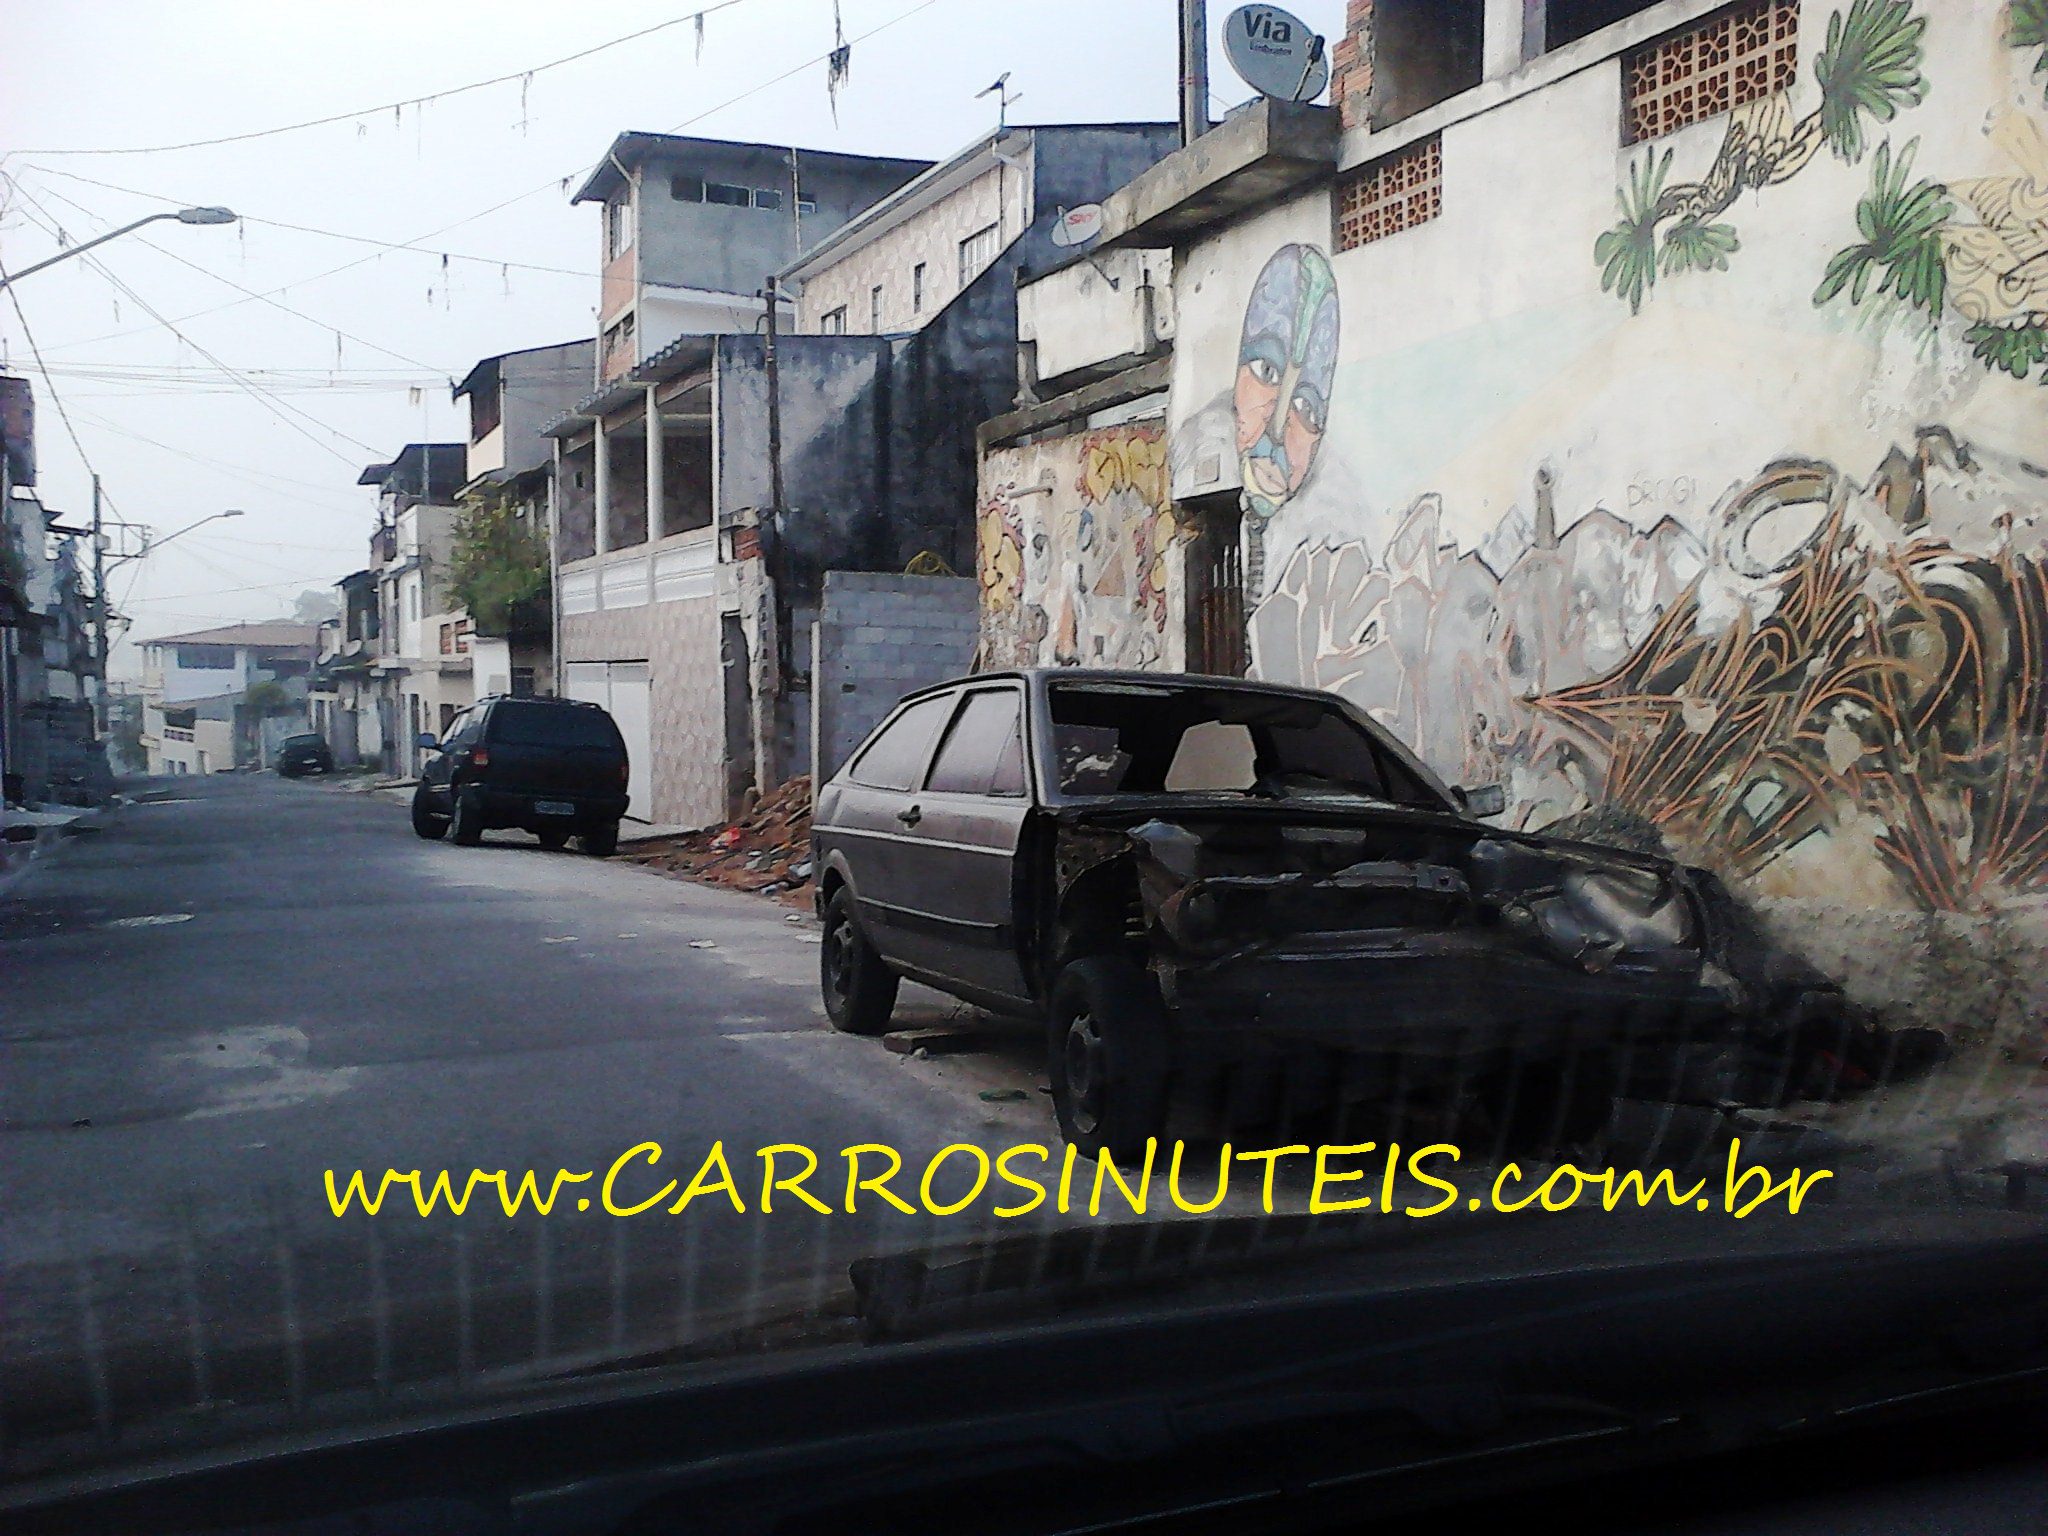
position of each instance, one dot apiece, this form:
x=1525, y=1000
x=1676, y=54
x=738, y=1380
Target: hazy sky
x=481, y=174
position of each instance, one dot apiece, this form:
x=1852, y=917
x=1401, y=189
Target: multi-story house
x=224, y=698
x=510, y=464
x=423, y=664
x=692, y=228
x=801, y=475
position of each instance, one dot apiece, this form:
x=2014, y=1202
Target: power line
x=399, y=106
x=553, y=181
x=270, y=403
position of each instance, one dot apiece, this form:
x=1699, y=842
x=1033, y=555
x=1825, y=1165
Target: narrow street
x=242, y=983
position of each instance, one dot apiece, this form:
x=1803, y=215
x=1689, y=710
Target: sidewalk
x=27, y=834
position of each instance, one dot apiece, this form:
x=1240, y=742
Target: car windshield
x=801, y=701
x=543, y=725
x=1145, y=739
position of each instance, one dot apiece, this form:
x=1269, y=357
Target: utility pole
x=99, y=604
x=1194, y=70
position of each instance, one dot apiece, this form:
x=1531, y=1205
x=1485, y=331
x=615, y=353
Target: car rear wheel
x=602, y=841
x=859, y=987
x=466, y=827
x=553, y=837
x=1107, y=1048
x=425, y=822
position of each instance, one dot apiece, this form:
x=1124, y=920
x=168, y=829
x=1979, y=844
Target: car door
x=970, y=817
x=874, y=815
x=439, y=767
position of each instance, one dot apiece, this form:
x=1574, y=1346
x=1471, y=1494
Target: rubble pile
x=766, y=852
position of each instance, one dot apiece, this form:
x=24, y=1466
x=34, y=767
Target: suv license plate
x=554, y=808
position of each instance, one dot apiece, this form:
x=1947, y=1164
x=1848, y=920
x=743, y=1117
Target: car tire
x=424, y=820
x=553, y=838
x=466, y=826
x=1108, y=1048
x=858, y=986
x=601, y=841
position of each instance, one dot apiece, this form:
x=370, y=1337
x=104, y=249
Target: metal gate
x=1216, y=641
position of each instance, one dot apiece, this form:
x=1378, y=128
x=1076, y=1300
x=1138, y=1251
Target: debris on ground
x=935, y=1042
x=767, y=852
x=1001, y=1095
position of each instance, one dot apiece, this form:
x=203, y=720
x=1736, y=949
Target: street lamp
x=151, y=546
x=182, y=215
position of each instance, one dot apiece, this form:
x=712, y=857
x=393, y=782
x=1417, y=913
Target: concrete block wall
x=880, y=635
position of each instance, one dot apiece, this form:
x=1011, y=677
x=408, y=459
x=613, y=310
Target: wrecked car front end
x=1417, y=933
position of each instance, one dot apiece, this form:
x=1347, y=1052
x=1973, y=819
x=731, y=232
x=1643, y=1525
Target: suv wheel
x=1107, y=1047
x=859, y=987
x=553, y=837
x=425, y=822
x=602, y=840
x=466, y=826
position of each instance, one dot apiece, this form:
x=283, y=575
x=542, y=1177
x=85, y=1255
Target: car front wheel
x=425, y=822
x=1107, y=1048
x=859, y=987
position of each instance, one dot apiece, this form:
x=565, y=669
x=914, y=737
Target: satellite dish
x=1077, y=226
x=1278, y=55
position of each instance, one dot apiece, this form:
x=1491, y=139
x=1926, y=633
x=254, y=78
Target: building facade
x=216, y=699
x=690, y=577
x=1639, y=405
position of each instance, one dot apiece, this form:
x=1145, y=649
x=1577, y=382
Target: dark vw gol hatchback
x=1234, y=882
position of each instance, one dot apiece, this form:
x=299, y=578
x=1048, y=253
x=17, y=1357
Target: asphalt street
x=240, y=983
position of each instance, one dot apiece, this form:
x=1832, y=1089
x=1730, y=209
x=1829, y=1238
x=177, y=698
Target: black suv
x=307, y=753
x=555, y=767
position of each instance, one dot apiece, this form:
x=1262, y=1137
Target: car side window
x=463, y=730
x=983, y=753
x=896, y=759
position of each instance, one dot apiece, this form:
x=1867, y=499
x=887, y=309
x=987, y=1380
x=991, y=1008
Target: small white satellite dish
x=1278, y=54
x=1077, y=226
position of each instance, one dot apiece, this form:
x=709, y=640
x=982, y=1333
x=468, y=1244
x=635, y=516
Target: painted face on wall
x=1286, y=362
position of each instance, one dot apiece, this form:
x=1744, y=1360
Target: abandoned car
x=1196, y=879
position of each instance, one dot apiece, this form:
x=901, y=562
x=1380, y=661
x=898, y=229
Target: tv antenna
x=1004, y=96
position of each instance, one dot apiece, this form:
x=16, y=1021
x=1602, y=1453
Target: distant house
x=223, y=698
x=422, y=660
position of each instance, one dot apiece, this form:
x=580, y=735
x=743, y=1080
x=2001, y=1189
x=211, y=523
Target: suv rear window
x=553, y=725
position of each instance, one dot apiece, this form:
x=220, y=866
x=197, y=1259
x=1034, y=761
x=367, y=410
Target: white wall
x=1764, y=567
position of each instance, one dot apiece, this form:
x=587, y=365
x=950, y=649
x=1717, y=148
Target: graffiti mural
x=1978, y=247
x=1076, y=544
x=1854, y=668
x=1868, y=70
x=1286, y=360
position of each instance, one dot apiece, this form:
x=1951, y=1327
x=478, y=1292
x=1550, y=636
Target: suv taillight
x=480, y=757
x=625, y=772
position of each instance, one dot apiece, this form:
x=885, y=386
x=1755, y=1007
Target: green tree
x=498, y=570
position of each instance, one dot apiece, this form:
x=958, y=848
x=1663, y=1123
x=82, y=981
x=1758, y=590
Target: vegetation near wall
x=498, y=570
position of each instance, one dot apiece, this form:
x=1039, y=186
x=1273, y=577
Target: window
x=833, y=322
x=805, y=205
x=727, y=195
x=448, y=713
x=206, y=658
x=917, y=289
x=618, y=341
x=768, y=198
x=1566, y=21
x=522, y=682
x=448, y=639
x=875, y=309
x=486, y=410
x=1142, y=738
x=1393, y=193
x=1739, y=55
x=535, y=724
x=984, y=751
x=1423, y=52
x=896, y=758
x=618, y=226
x=686, y=189
x=977, y=251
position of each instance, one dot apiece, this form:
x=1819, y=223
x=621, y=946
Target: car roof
x=1035, y=677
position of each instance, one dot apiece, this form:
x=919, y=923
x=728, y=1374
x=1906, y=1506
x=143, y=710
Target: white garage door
x=621, y=687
